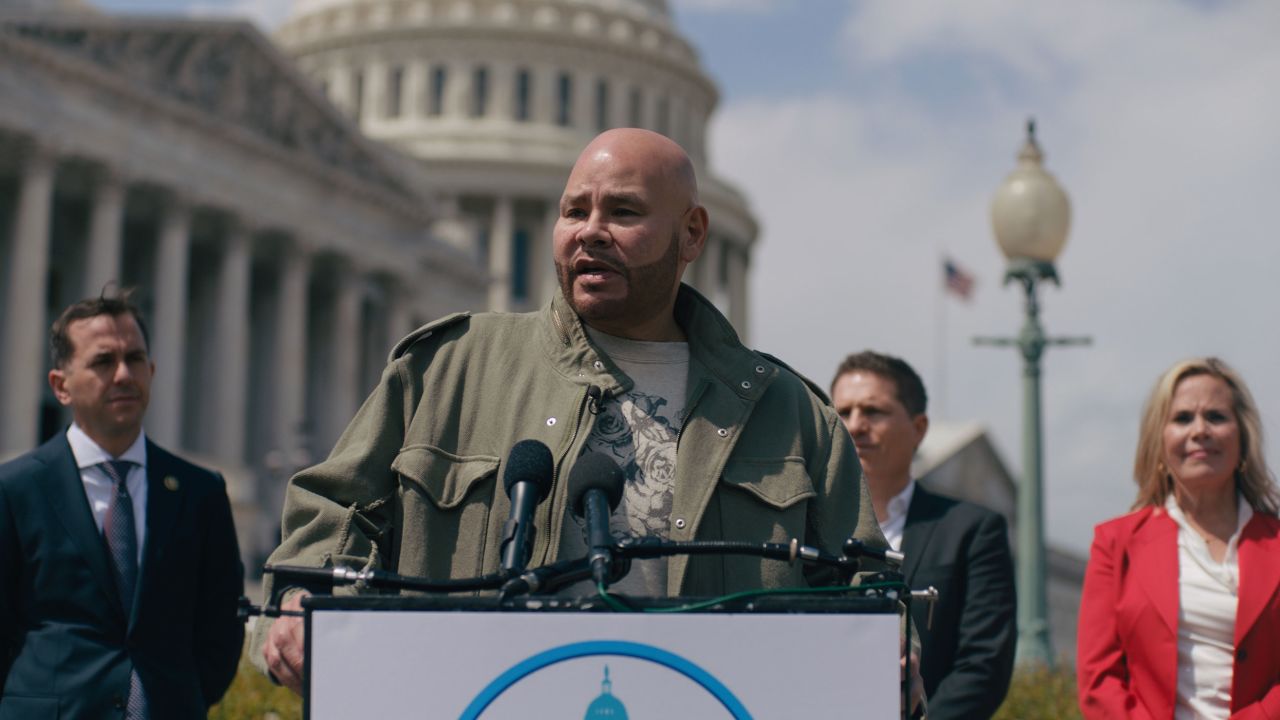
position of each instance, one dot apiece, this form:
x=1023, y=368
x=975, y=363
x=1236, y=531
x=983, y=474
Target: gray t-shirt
x=638, y=430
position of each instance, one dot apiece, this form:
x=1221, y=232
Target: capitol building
x=497, y=98
x=289, y=206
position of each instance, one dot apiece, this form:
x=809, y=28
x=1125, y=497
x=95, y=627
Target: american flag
x=956, y=280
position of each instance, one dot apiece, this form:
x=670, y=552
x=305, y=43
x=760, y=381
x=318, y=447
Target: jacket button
x=118, y=702
x=1241, y=655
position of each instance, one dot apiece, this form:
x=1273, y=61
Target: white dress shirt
x=896, y=524
x=1207, y=599
x=98, y=485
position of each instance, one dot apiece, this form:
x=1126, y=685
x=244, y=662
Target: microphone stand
x=325, y=579
x=550, y=578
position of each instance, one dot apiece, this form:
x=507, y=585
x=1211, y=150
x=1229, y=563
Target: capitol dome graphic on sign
x=606, y=706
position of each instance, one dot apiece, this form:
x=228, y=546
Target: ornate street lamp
x=1030, y=216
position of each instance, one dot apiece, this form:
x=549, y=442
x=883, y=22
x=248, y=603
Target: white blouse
x=1207, y=592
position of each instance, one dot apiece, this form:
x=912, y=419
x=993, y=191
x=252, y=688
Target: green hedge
x=1034, y=695
x=1040, y=694
x=253, y=697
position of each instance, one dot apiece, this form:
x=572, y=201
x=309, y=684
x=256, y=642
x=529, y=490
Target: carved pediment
x=227, y=70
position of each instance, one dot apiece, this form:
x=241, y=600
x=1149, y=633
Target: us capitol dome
x=495, y=99
x=606, y=706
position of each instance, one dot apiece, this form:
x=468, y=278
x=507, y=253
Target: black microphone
x=595, y=484
x=854, y=548
x=527, y=478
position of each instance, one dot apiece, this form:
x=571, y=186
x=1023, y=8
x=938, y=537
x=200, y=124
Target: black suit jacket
x=66, y=647
x=962, y=550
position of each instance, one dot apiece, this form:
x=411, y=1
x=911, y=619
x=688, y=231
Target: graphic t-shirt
x=639, y=430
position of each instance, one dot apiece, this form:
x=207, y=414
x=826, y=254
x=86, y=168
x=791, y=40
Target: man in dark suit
x=957, y=547
x=119, y=570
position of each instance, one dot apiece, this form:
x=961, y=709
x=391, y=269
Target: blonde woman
x=1180, y=616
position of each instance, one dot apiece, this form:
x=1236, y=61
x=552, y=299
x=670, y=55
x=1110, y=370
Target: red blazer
x=1127, y=641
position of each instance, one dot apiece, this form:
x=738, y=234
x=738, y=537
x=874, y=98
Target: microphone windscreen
x=529, y=461
x=595, y=471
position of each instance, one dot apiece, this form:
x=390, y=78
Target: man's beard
x=649, y=288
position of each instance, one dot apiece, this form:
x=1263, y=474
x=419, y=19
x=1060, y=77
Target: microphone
x=595, y=484
x=854, y=548
x=527, y=479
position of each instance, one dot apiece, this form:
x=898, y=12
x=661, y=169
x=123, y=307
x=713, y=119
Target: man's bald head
x=648, y=151
x=629, y=224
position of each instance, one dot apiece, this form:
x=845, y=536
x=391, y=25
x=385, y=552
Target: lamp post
x=1030, y=216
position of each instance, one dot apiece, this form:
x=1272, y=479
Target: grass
x=1041, y=694
x=253, y=697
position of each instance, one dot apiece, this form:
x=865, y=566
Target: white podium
x=392, y=657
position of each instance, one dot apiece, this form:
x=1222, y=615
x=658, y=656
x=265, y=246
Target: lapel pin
x=171, y=483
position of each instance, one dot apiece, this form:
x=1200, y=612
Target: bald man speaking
x=716, y=441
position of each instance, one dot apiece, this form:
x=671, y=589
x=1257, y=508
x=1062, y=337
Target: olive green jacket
x=412, y=485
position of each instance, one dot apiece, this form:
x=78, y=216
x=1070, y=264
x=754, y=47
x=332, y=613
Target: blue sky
x=871, y=136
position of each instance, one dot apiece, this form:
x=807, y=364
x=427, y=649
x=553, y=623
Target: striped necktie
x=121, y=534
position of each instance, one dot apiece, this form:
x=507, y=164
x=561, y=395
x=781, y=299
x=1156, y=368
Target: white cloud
x=1158, y=120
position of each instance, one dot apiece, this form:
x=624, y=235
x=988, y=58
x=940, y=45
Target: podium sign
x=409, y=663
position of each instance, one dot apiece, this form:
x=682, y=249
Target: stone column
x=457, y=89
x=584, y=101
x=376, y=91
x=697, y=134
x=106, y=232
x=344, y=383
x=416, y=79
x=546, y=93
x=290, y=354
x=340, y=87
x=501, y=228
x=502, y=91
x=169, y=331
x=619, y=101
x=644, y=118
x=658, y=110
x=399, y=319
x=702, y=275
x=231, y=348
x=737, y=266
x=542, y=257
x=23, y=311
x=678, y=120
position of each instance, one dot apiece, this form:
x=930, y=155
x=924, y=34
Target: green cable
x=615, y=603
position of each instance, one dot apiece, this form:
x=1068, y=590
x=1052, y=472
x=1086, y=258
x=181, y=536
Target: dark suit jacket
x=962, y=550
x=1127, y=660
x=66, y=647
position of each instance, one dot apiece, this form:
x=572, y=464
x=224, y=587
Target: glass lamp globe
x=1030, y=213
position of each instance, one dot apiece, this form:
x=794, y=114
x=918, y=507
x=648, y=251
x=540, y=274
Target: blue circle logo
x=605, y=647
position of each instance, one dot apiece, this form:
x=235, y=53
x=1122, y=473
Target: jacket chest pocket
x=758, y=500
x=446, y=504
x=765, y=499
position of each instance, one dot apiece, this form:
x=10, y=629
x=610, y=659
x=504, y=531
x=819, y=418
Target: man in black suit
x=119, y=570
x=957, y=547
